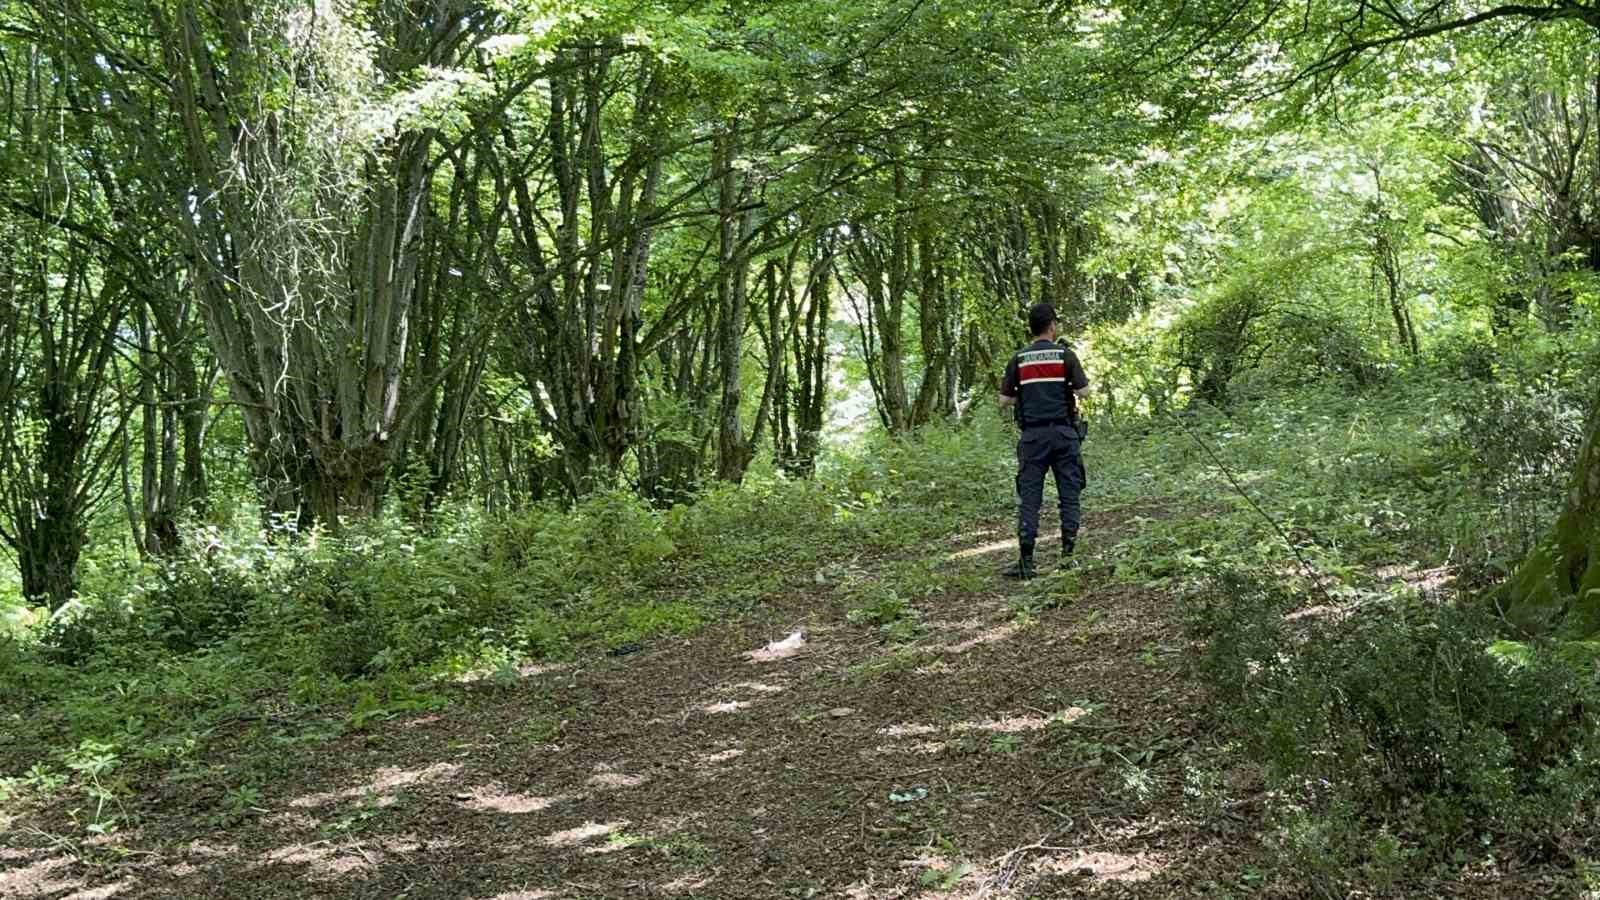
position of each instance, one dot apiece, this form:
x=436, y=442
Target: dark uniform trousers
x=1054, y=448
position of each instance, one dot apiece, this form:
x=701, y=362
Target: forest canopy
x=522, y=252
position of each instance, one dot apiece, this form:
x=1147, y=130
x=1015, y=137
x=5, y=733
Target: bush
x=1397, y=731
x=1223, y=337
x=1316, y=346
x=1520, y=433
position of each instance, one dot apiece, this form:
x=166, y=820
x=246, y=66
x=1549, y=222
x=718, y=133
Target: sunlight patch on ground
x=472, y=676
x=760, y=688
x=291, y=821
x=1004, y=724
x=907, y=729
x=385, y=780
x=572, y=837
x=495, y=798
x=976, y=534
x=1108, y=866
x=685, y=884
x=207, y=851
x=990, y=636
x=1013, y=724
x=329, y=862
x=727, y=706
x=525, y=895
x=937, y=869
x=605, y=777
x=713, y=760
x=1320, y=611
x=1427, y=581
x=616, y=843
x=982, y=550
x=323, y=863
x=927, y=748
x=996, y=547
x=39, y=879
x=657, y=834
x=1008, y=724
x=103, y=892
x=942, y=625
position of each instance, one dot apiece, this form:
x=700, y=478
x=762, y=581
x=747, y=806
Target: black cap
x=1040, y=317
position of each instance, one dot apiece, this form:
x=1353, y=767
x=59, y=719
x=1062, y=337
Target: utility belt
x=1079, y=426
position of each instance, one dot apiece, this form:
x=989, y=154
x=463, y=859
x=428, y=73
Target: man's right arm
x=1009, y=385
x=1076, y=377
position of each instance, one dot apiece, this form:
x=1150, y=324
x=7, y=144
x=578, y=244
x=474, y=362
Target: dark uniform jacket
x=1043, y=376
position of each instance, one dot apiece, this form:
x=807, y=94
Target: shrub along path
x=933, y=732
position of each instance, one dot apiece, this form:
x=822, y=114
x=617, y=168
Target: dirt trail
x=997, y=755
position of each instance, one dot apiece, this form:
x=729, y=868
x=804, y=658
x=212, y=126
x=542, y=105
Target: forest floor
x=1006, y=750
x=1003, y=745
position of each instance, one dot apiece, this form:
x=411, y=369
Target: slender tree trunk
x=882, y=257
x=158, y=480
x=736, y=227
x=813, y=359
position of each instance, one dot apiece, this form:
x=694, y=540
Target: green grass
x=1350, y=482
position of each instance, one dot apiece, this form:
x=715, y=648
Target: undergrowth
x=1399, y=736
x=1397, y=741
x=294, y=640
x=1404, y=741
x=1335, y=542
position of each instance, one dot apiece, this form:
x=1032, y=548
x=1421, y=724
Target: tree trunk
x=813, y=361
x=580, y=350
x=882, y=258
x=47, y=555
x=736, y=228
x=932, y=315
x=158, y=481
x=305, y=250
x=810, y=313
x=63, y=299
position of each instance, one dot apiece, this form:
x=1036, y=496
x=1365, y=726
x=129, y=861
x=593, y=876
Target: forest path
x=1006, y=748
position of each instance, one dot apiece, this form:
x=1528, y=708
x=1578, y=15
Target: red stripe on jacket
x=1042, y=371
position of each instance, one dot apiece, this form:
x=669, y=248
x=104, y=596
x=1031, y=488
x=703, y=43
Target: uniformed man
x=1042, y=384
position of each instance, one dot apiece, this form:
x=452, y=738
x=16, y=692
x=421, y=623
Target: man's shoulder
x=1042, y=347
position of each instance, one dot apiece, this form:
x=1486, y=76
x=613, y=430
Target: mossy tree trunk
x=1558, y=585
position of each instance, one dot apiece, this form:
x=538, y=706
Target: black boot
x=1068, y=542
x=1022, y=569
